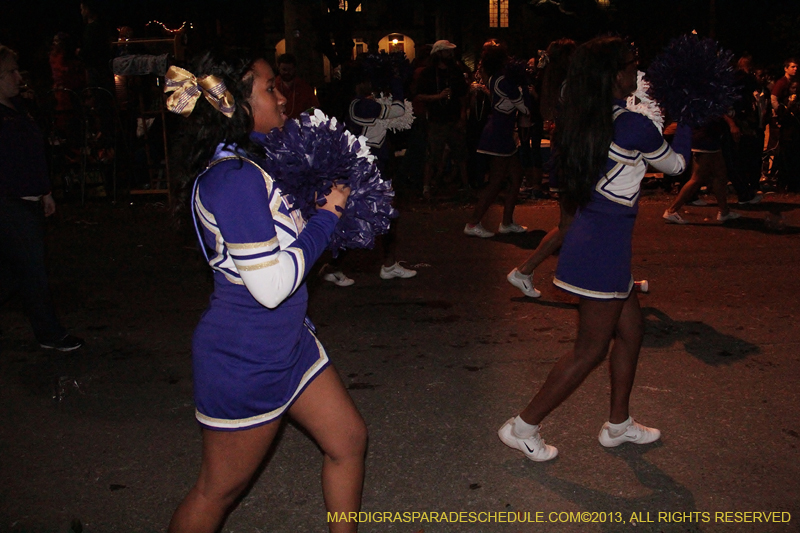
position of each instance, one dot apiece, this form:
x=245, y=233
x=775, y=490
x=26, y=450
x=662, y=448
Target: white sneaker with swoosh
x=338, y=278
x=634, y=432
x=533, y=447
x=478, y=231
x=523, y=283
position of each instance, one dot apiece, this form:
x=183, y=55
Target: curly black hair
x=195, y=140
x=493, y=59
x=207, y=127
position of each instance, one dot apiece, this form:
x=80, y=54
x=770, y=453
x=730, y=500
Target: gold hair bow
x=187, y=90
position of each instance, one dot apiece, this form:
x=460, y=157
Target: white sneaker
x=512, y=228
x=732, y=215
x=673, y=218
x=634, y=432
x=523, y=283
x=477, y=231
x=397, y=271
x=338, y=278
x=754, y=200
x=533, y=447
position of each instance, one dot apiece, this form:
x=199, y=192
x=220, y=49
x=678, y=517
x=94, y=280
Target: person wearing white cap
x=442, y=44
x=443, y=90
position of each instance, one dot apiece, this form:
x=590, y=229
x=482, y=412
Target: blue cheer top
x=497, y=137
x=252, y=353
x=595, y=258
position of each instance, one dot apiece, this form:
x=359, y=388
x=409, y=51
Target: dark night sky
x=28, y=23
x=770, y=29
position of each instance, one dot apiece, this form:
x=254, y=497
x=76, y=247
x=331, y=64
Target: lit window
x=498, y=13
x=604, y=3
x=343, y=5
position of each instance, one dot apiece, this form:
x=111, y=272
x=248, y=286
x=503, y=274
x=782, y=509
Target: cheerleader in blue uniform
x=555, y=71
x=368, y=117
x=498, y=142
x=604, y=151
x=255, y=356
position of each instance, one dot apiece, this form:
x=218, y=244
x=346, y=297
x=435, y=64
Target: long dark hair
x=585, y=127
x=207, y=127
x=559, y=54
x=493, y=60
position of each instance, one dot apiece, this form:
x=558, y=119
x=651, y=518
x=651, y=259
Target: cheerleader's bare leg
x=515, y=174
x=597, y=322
x=549, y=244
x=624, y=357
x=498, y=168
x=719, y=184
x=230, y=458
x=699, y=178
x=327, y=412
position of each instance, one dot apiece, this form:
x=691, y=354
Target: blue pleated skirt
x=247, y=373
x=595, y=259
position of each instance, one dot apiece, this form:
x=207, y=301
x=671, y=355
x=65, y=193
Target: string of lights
x=169, y=30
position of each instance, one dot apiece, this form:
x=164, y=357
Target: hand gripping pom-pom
x=693, y=80
x=313, y=153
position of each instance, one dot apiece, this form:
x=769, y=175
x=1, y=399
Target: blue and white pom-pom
x=309, y=155
x=693, y=80
x=396, y=124
x=641, y=103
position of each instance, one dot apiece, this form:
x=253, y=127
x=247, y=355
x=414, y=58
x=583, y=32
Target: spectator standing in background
x=443, y=90
x=780, y=90
x=299, y=95
x=743, y=155
x=786, y=118
x=25, y=200
x=530, y=128
x=67, y=71
x=95, y=51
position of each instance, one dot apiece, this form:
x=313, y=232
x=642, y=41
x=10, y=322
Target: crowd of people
x=256, y=357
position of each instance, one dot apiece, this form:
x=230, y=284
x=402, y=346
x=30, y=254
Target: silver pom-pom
x=398, y=123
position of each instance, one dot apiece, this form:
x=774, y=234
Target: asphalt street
x=105, y=437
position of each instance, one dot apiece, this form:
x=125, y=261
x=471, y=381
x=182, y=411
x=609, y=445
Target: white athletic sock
x=615, y=430
x=523, y=430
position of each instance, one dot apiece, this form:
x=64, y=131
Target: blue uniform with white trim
x=368, y=117
x=497, y=137
x=252, y=353
x=595, y=259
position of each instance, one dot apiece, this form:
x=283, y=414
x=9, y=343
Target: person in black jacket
x=25, y=199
